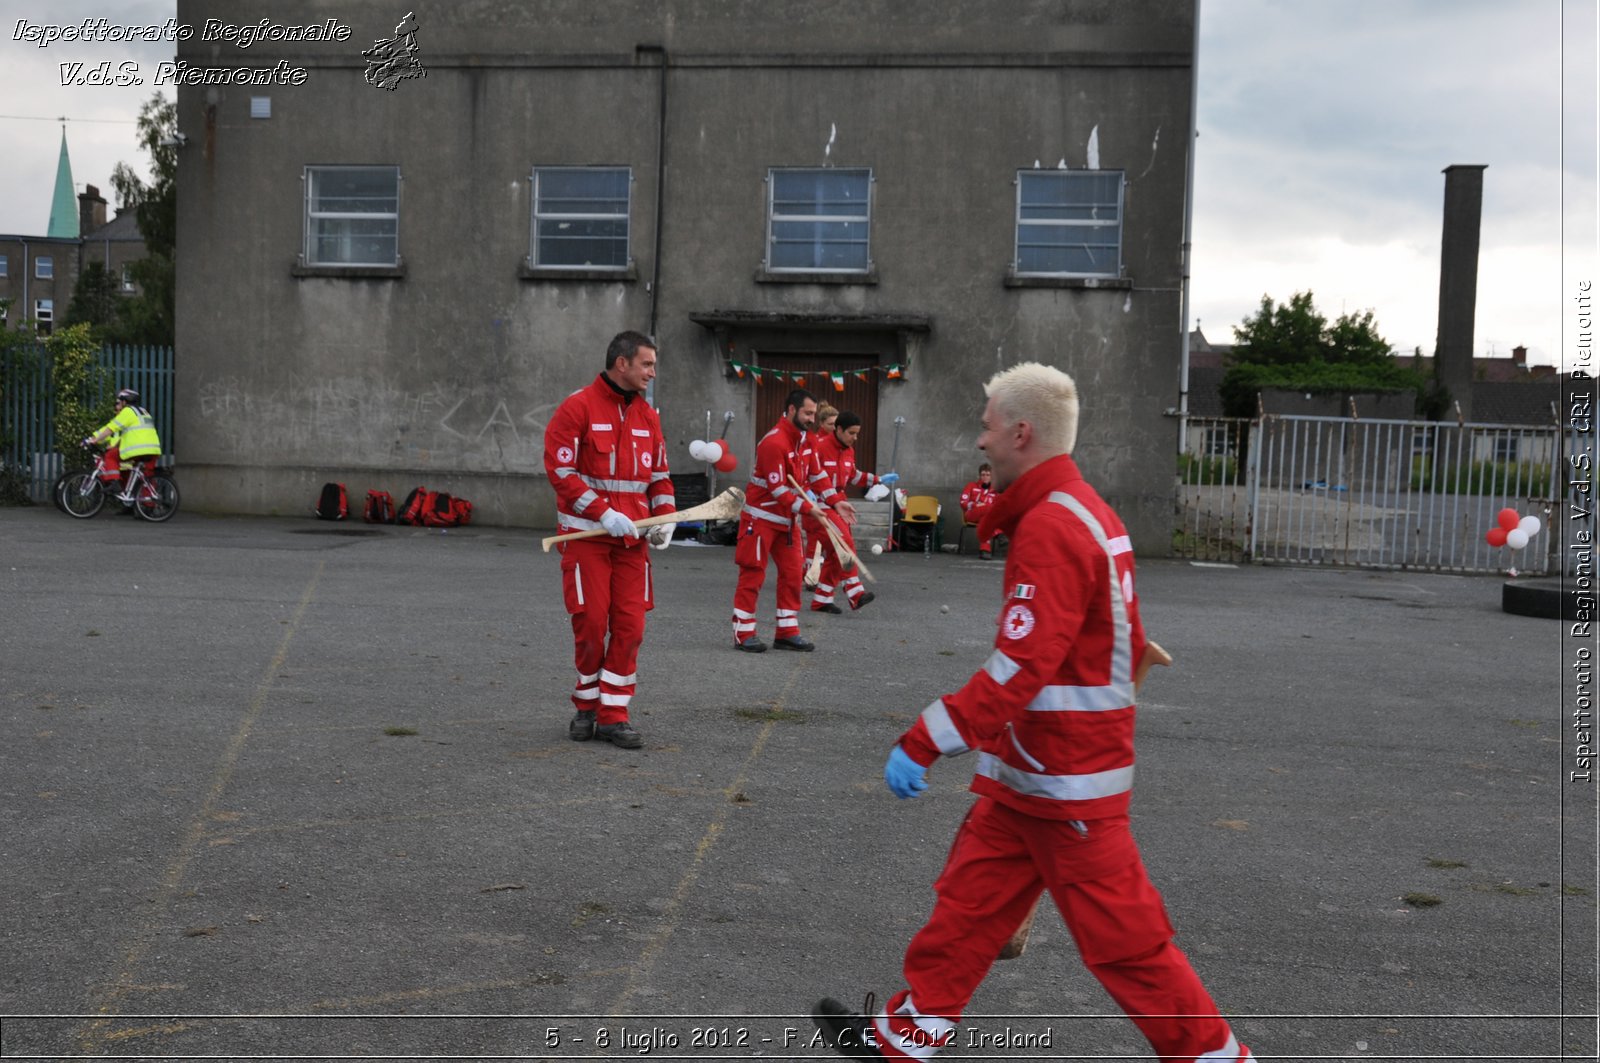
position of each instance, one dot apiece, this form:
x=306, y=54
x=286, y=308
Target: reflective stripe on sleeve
x=1001, y=668
x=936, y=718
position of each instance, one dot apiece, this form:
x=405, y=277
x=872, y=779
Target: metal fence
x=28, y=408
x=1367, y=493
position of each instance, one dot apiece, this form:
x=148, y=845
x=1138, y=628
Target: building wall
x=24, y=289
x=446, y=376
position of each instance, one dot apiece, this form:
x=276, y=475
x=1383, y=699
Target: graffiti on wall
x=351, y=420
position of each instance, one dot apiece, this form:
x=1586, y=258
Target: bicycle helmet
x=129, y=396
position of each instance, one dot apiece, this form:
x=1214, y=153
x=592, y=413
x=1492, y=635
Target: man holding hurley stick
x=607, y=460
x=1051, y=716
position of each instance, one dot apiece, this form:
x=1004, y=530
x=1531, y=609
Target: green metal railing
x=28, y=409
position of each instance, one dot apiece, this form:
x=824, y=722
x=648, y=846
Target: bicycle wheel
x=81, y=495
x=158, y=498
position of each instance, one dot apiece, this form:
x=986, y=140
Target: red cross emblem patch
x=1018, y=622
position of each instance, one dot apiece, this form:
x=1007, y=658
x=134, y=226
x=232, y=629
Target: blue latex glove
x=904, y=775
x=889, y=478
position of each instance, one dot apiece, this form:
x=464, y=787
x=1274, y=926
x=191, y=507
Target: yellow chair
x=920, y=524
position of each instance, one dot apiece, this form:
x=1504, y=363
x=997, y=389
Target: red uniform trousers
x=832, y=576
x=759, y=540
x=607, y=590
x=999, y=863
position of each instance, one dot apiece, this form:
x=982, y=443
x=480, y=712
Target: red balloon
x=1497, y=536
x=726, y=463
x=1509, y=518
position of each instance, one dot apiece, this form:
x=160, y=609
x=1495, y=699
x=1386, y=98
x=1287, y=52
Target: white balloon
x=1516, y=538
x=1530, y=526
x=697, y=449
x=714, y=450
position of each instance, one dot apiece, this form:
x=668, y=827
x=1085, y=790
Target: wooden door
x=811, y=371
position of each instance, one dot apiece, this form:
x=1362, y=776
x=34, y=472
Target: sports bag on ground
x=332, y=503
x=380, y=508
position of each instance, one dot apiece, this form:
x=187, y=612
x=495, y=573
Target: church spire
x=64, y=207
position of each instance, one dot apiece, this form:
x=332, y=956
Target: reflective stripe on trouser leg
x=823, y=595
x=586, y=695
x=752, y=562
x=630, y=574
x=791, y=562
x=586, y=575
x=854, y=589
x=903, y=1032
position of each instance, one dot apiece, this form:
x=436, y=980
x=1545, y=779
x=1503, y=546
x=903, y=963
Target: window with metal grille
x=352, y=216
x=819, y=221
x=580, y=216
x=1069, y=223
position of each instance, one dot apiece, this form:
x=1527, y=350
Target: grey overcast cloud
x=1324, y=127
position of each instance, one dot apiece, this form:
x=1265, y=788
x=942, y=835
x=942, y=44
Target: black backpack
x=332, y=504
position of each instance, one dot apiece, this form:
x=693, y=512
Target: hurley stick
x=847, y=557
x=1153, y=655
x=724, y=507
x=814, y=569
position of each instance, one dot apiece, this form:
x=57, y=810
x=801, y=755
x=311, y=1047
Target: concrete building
x=38, y=274
x=390, y=272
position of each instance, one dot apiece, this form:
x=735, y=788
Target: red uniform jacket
x=1051, y=711
x=782, y=453
x=974, y=498
x=603, y=449
x=839, y=462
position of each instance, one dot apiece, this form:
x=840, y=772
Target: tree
x=95, y=300
x=148, y=316
x=1292, y=346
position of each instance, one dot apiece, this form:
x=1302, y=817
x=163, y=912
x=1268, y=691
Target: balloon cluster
x=715, y=453
x=1512, y=529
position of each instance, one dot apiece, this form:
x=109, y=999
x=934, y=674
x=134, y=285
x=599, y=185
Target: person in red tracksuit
x=607, y=460
x=1051, y=717
x=769, y=525
x=976, y=498
x=837, y=454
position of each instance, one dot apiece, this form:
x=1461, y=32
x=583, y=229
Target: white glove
x=877, y=493
x=616, y=524
x=661, y=535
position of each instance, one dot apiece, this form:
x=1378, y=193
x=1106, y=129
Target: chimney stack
x=1458, y=282
x=91, y=210
x=1519, y=357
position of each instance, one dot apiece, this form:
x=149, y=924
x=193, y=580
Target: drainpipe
x=1188, y=230
x=27, y=268
x=661, y=172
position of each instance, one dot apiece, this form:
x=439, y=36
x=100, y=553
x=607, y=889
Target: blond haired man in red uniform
x=1050, y=715
x=769, y=525
x=607, y=460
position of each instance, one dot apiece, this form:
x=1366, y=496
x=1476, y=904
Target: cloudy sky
x=1324, y=128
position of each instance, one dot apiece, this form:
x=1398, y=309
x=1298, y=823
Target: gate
x=28, y=414
x=1366, y=493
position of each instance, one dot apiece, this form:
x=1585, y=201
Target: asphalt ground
x=282, y=787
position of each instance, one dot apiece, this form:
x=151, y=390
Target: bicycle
x=151, y=491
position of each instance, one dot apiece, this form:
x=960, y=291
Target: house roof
x=1519, y=402
x=1525, y=402
x=123, y=227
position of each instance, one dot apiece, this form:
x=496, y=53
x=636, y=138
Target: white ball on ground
x=944, y=608
x=877, y=548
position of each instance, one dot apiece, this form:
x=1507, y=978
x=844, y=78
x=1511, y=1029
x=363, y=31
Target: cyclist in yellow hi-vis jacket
x=132, y=437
